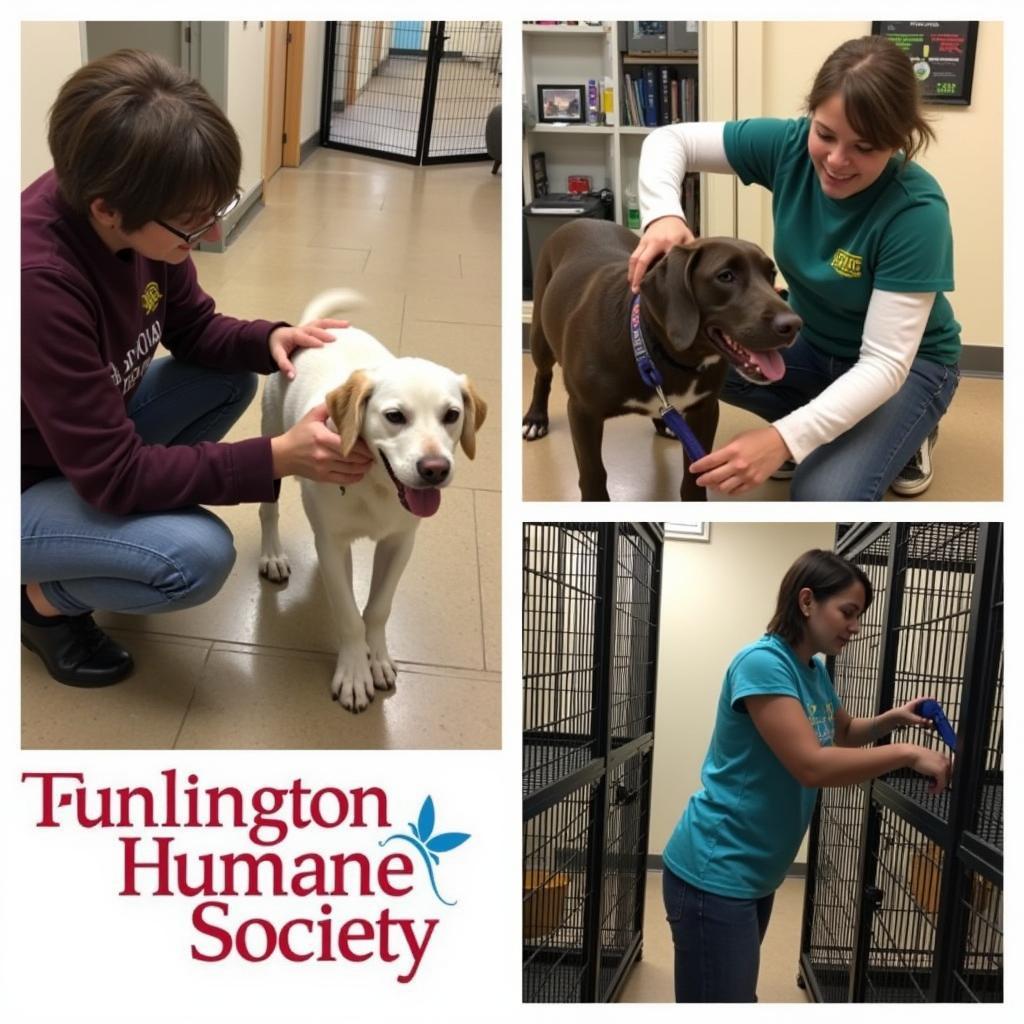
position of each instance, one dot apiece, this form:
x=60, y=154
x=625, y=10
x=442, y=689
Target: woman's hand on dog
x=311, y=449
x=284, y=341
x=744, y=463
x=659, y=237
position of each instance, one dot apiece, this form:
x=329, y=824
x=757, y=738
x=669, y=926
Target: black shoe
x=77, y=652
x=916, y=476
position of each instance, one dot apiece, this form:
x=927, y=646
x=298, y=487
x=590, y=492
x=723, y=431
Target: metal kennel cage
x=903, y=901
x=591, y=596
x=415, y=91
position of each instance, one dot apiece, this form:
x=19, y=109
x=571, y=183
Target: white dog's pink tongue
x=770, y=363
x=423, y=501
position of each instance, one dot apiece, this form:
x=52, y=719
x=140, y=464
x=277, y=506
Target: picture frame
x=539, y=170
x=562, y=104
x=942, y=53
x=697, y=531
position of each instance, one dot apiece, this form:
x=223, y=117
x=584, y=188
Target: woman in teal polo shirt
x=780, y=734
x=863, y=239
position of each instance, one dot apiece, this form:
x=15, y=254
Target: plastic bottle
x=632, y=209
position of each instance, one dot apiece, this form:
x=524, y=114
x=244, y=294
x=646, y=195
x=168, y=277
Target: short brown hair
x=881, y=96
x=825, y=573
x=140, y=133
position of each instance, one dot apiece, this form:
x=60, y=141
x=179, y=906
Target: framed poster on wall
x=942, y=53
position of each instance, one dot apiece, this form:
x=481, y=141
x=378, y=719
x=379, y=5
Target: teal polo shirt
x=894, y=235
x=740, y=833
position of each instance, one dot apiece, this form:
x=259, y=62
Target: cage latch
x=873, y=895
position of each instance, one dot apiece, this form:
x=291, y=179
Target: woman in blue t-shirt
x=780, y=734
x=863, y=239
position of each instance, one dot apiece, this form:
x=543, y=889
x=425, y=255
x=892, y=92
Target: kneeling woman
x=119, y=450
x=780, y=734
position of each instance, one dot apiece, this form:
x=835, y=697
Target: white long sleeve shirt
x=894, y=322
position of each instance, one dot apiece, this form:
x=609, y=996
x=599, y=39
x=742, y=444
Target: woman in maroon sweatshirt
x=119, y=450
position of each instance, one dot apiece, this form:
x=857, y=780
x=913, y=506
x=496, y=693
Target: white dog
x=412, y=414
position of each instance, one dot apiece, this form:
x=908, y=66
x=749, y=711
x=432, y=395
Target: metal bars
x=904, y=888
x=418, y=92
x=560, y=606
x=591, y=597
x=556, y=891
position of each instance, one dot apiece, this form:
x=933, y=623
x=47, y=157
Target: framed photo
x=941, y=52
x=539, y=170
x=567, y=103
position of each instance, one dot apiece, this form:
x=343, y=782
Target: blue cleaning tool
x=931, y=709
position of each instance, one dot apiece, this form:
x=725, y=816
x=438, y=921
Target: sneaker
x=916, y=476
x=785, y=471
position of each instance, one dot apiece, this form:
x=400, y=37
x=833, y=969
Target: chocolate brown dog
x=703, y=306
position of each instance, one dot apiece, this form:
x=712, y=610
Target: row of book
x=690, y=200
x=658, y=94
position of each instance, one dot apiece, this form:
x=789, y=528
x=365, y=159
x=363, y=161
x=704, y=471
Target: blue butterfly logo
x=429, y=845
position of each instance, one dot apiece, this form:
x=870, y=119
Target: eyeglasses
x=193, y=236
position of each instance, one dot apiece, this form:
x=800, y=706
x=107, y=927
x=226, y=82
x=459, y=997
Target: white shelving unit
x=608, y=154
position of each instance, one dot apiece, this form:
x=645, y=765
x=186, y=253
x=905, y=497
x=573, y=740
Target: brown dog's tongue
x=770, y=363
x=423, y=501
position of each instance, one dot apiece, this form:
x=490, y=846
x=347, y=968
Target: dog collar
x=651, y=376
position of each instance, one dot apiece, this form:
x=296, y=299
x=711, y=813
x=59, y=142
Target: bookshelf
x=609, y=154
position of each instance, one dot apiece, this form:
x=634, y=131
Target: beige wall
x=61, y=42
x=246, y=95
x=776, y=64
x=716, y=598
x=312, y=79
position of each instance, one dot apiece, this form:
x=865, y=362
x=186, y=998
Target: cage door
x=415, y=91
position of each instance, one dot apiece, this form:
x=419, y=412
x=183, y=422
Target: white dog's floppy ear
x=473, y=418
x=347, y=405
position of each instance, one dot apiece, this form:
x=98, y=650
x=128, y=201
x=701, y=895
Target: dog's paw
x=275, y=567
x=384, y=671
x=534, y=427
x=352, y=685
x=382, y=668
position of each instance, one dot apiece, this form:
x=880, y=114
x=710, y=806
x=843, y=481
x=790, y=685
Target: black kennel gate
x=591, y=594
x=414, y=91
x=903, y=901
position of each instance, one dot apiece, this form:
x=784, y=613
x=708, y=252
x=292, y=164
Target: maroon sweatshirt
x=90, y=324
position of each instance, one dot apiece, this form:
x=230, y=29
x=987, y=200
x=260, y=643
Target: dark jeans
x=717, y=942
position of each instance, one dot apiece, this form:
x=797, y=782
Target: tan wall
x=312, y=78
x=716, y=598
x=776, y=64
x=246, y=95
x=41, y=77
x=62, y=44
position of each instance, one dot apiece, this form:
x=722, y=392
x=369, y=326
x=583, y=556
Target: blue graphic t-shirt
x=739, y=834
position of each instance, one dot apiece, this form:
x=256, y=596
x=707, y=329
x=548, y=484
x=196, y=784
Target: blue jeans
x=717, y=942
x=88, y=560
x=860, y=464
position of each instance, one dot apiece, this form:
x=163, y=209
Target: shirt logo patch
x=846, y=264
x=151, y=297
x=822, y=718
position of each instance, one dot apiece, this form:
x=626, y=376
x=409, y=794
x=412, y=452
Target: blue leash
x=651, y=376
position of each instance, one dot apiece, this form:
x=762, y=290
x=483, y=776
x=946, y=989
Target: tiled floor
x=386, y=114
x=650, y=981
x=252, y=668
x=642, y=466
